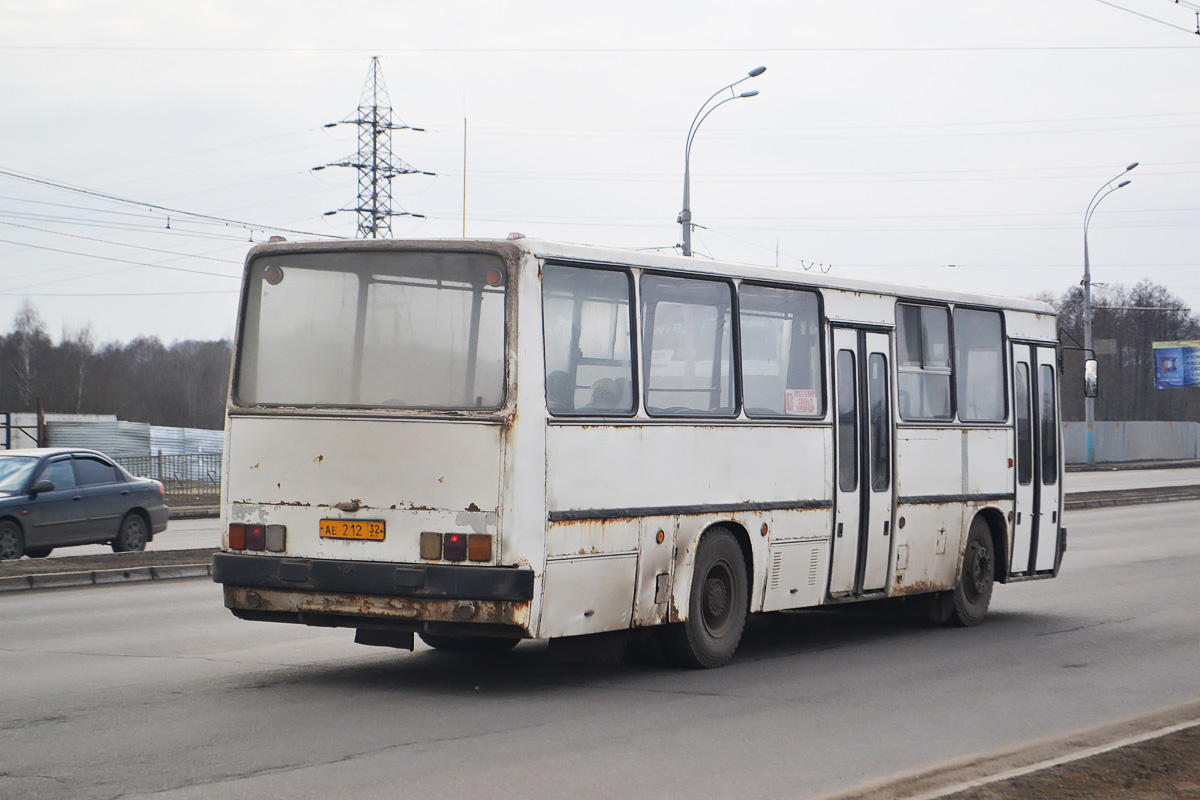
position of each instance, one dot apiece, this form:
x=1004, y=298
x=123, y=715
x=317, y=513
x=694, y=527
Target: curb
x=194, y=512
x=1074, y=501
x=101, y=577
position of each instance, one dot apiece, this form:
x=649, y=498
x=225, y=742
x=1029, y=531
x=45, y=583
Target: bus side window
x=688, y=331
x=923, y=362
x=979, y=366
x=781, y=352
x=586, y=332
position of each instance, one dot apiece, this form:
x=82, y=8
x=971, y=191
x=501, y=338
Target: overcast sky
x=941, y=143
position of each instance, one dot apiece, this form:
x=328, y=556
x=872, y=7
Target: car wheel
x=12, y=541
x=38, y=552
x=132, y=536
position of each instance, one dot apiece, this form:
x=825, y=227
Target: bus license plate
x=371, y=530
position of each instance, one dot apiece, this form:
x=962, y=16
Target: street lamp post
x=685, y=216
x=1089, y=403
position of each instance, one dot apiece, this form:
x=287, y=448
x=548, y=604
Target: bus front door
x=862, y=462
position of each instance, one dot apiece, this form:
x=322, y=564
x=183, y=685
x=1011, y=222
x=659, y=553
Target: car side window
x=59, y=473
x=91, y=471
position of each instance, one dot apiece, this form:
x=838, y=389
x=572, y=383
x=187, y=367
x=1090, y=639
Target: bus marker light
x=431, y=546
x=276, y=538
x=479, y=547
x=237, y=536
x=256, y=537
x=660, y=536
x=454, y=547
x=494, y=277
x=764, y=529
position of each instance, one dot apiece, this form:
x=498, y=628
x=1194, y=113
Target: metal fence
x=188, y=479
x=1133, y=441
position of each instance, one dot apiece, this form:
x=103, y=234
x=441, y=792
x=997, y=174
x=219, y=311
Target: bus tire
x=477, y=645
x=973, y=593
x=717, y=605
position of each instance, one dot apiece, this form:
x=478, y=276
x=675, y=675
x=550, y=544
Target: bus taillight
x=454, y=547
x=257, y=537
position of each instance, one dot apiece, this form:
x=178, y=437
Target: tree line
x=181, y=385
x=184, y=384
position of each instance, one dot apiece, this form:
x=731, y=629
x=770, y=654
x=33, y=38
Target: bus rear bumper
x=352, y=593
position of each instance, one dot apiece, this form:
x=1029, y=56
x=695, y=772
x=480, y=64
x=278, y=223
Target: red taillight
x=454, y=547
x=256, y=537
x=237, y=536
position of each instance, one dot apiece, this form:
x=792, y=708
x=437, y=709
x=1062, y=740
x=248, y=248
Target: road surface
x=1113, y=480
x=154, y=690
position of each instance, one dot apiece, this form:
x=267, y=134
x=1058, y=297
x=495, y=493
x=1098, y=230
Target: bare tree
x=28, y=337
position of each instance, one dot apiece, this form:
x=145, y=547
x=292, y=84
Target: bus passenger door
x=1045, y=417
x=862, y=462
x=1037, y=507
x=1024, y=511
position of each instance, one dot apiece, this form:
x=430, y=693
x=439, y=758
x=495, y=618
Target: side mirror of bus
x=1091, y=379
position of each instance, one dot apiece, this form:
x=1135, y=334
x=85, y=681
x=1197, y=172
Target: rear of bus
x=365, y=442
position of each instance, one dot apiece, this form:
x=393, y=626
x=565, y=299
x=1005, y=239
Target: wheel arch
x=145, y=515
x=998, y=527
x=685, y=566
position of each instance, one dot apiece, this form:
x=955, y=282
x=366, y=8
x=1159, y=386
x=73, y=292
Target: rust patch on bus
x=415, y=609
x=918, y=587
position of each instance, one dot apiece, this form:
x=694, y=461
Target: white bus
x=479, y=442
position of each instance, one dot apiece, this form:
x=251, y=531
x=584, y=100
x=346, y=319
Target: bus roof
x=541, y=248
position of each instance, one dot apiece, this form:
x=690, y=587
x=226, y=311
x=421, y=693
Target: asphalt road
x=154, y=690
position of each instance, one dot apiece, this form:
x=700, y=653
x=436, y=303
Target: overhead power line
x=1152, y=19
x=249, y=226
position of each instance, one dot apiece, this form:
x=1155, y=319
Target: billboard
x=1176, y=364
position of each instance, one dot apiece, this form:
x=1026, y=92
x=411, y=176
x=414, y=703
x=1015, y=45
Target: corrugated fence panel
x=173, y=441
x=1133, y=441
x=114, y=438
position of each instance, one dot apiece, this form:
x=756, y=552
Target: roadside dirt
x=1167, y=768
x=151, y=558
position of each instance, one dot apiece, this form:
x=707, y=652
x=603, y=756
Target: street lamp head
x=1131, y=166
x=754, y=73
x=750, y=93
x=1123, y=183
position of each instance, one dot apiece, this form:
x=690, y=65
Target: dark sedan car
x=52, y=497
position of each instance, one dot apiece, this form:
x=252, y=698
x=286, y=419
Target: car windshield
x=14, y=472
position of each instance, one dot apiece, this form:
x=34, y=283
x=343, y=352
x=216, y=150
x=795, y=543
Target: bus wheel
x=478, y=645
x=717, y=606
x=974, y=590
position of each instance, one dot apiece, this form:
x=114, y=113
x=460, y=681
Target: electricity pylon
x=374, y=160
